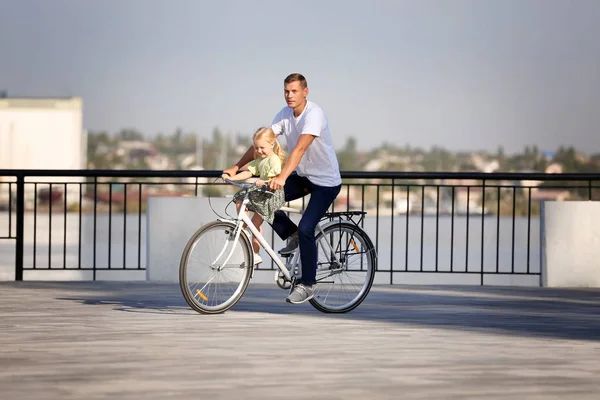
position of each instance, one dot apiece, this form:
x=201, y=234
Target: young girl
x=268, y=159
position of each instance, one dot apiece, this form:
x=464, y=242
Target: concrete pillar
x=570, y=243
x=171, y=221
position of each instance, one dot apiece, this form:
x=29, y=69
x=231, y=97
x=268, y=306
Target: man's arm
x=240, y=176
x=292, y=162
x=246, y=158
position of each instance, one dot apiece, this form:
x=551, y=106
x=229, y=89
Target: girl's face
x=263, y=148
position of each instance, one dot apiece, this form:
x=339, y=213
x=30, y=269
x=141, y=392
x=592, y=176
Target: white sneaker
x=257, y=259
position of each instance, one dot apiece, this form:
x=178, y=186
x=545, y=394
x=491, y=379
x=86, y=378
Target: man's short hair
x=296, y=77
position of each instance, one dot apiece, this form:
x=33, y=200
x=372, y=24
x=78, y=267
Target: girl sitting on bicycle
x=268, y=159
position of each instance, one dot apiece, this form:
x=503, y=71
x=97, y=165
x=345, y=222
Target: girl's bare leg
x=238, y=205
x=257, y=220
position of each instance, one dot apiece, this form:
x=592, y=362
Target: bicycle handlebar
x=264, y=188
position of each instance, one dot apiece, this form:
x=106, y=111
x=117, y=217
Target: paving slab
x=140, y=340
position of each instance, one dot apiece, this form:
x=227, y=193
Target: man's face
x=295, y=94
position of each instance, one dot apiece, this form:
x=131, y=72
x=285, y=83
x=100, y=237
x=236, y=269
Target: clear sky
x=461, y=74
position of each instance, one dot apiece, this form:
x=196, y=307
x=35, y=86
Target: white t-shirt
x=319, y=163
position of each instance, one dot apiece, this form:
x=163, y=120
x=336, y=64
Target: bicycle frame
x=243, y=217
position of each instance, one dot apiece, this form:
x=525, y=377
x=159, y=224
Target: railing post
x=20, y=229
x=482, y=229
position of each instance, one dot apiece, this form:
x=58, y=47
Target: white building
x=42, y=133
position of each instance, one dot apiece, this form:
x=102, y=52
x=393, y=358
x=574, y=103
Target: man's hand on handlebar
x=276, y=182
x=231, y=171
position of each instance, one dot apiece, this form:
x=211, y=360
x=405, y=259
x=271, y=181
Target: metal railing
x=446, y=223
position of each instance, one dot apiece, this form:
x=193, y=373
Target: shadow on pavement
x=540, y=312
x=552, y=313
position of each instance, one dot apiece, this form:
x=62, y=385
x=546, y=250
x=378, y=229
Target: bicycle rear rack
x=347, y=215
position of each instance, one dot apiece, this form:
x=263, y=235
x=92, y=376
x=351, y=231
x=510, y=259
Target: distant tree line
x=222, y=150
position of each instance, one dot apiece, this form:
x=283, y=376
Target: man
x=311, y=168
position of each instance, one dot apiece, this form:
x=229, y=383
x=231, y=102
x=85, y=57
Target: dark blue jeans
x=321, y=197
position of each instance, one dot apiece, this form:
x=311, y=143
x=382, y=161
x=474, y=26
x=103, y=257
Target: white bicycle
x=218, y=262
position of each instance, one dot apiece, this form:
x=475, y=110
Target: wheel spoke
x=220, y=286
x=348, y=284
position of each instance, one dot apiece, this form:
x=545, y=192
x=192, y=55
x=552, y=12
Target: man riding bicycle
x=311, y=168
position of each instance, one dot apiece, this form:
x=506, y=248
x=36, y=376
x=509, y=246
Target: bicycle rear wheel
x=214, y=271
x=345, y=268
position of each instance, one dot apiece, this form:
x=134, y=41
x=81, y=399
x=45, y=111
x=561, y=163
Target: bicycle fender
x=350, y=225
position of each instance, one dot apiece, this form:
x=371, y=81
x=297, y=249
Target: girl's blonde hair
x=267, y=134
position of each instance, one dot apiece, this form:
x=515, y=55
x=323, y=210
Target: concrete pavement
x=140, y=340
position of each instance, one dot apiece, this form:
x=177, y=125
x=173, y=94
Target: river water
x=121, y=242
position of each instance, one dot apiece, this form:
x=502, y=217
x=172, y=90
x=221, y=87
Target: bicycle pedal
x=286, y=255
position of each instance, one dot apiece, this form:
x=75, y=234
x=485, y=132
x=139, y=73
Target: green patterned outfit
x=263, y=203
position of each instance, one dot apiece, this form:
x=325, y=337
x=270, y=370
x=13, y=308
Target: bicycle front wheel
x=214, y=270
x=346, y=264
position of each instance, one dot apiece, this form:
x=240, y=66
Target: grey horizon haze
x=463, y=75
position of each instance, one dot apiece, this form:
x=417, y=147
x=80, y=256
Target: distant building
x=42, y=133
